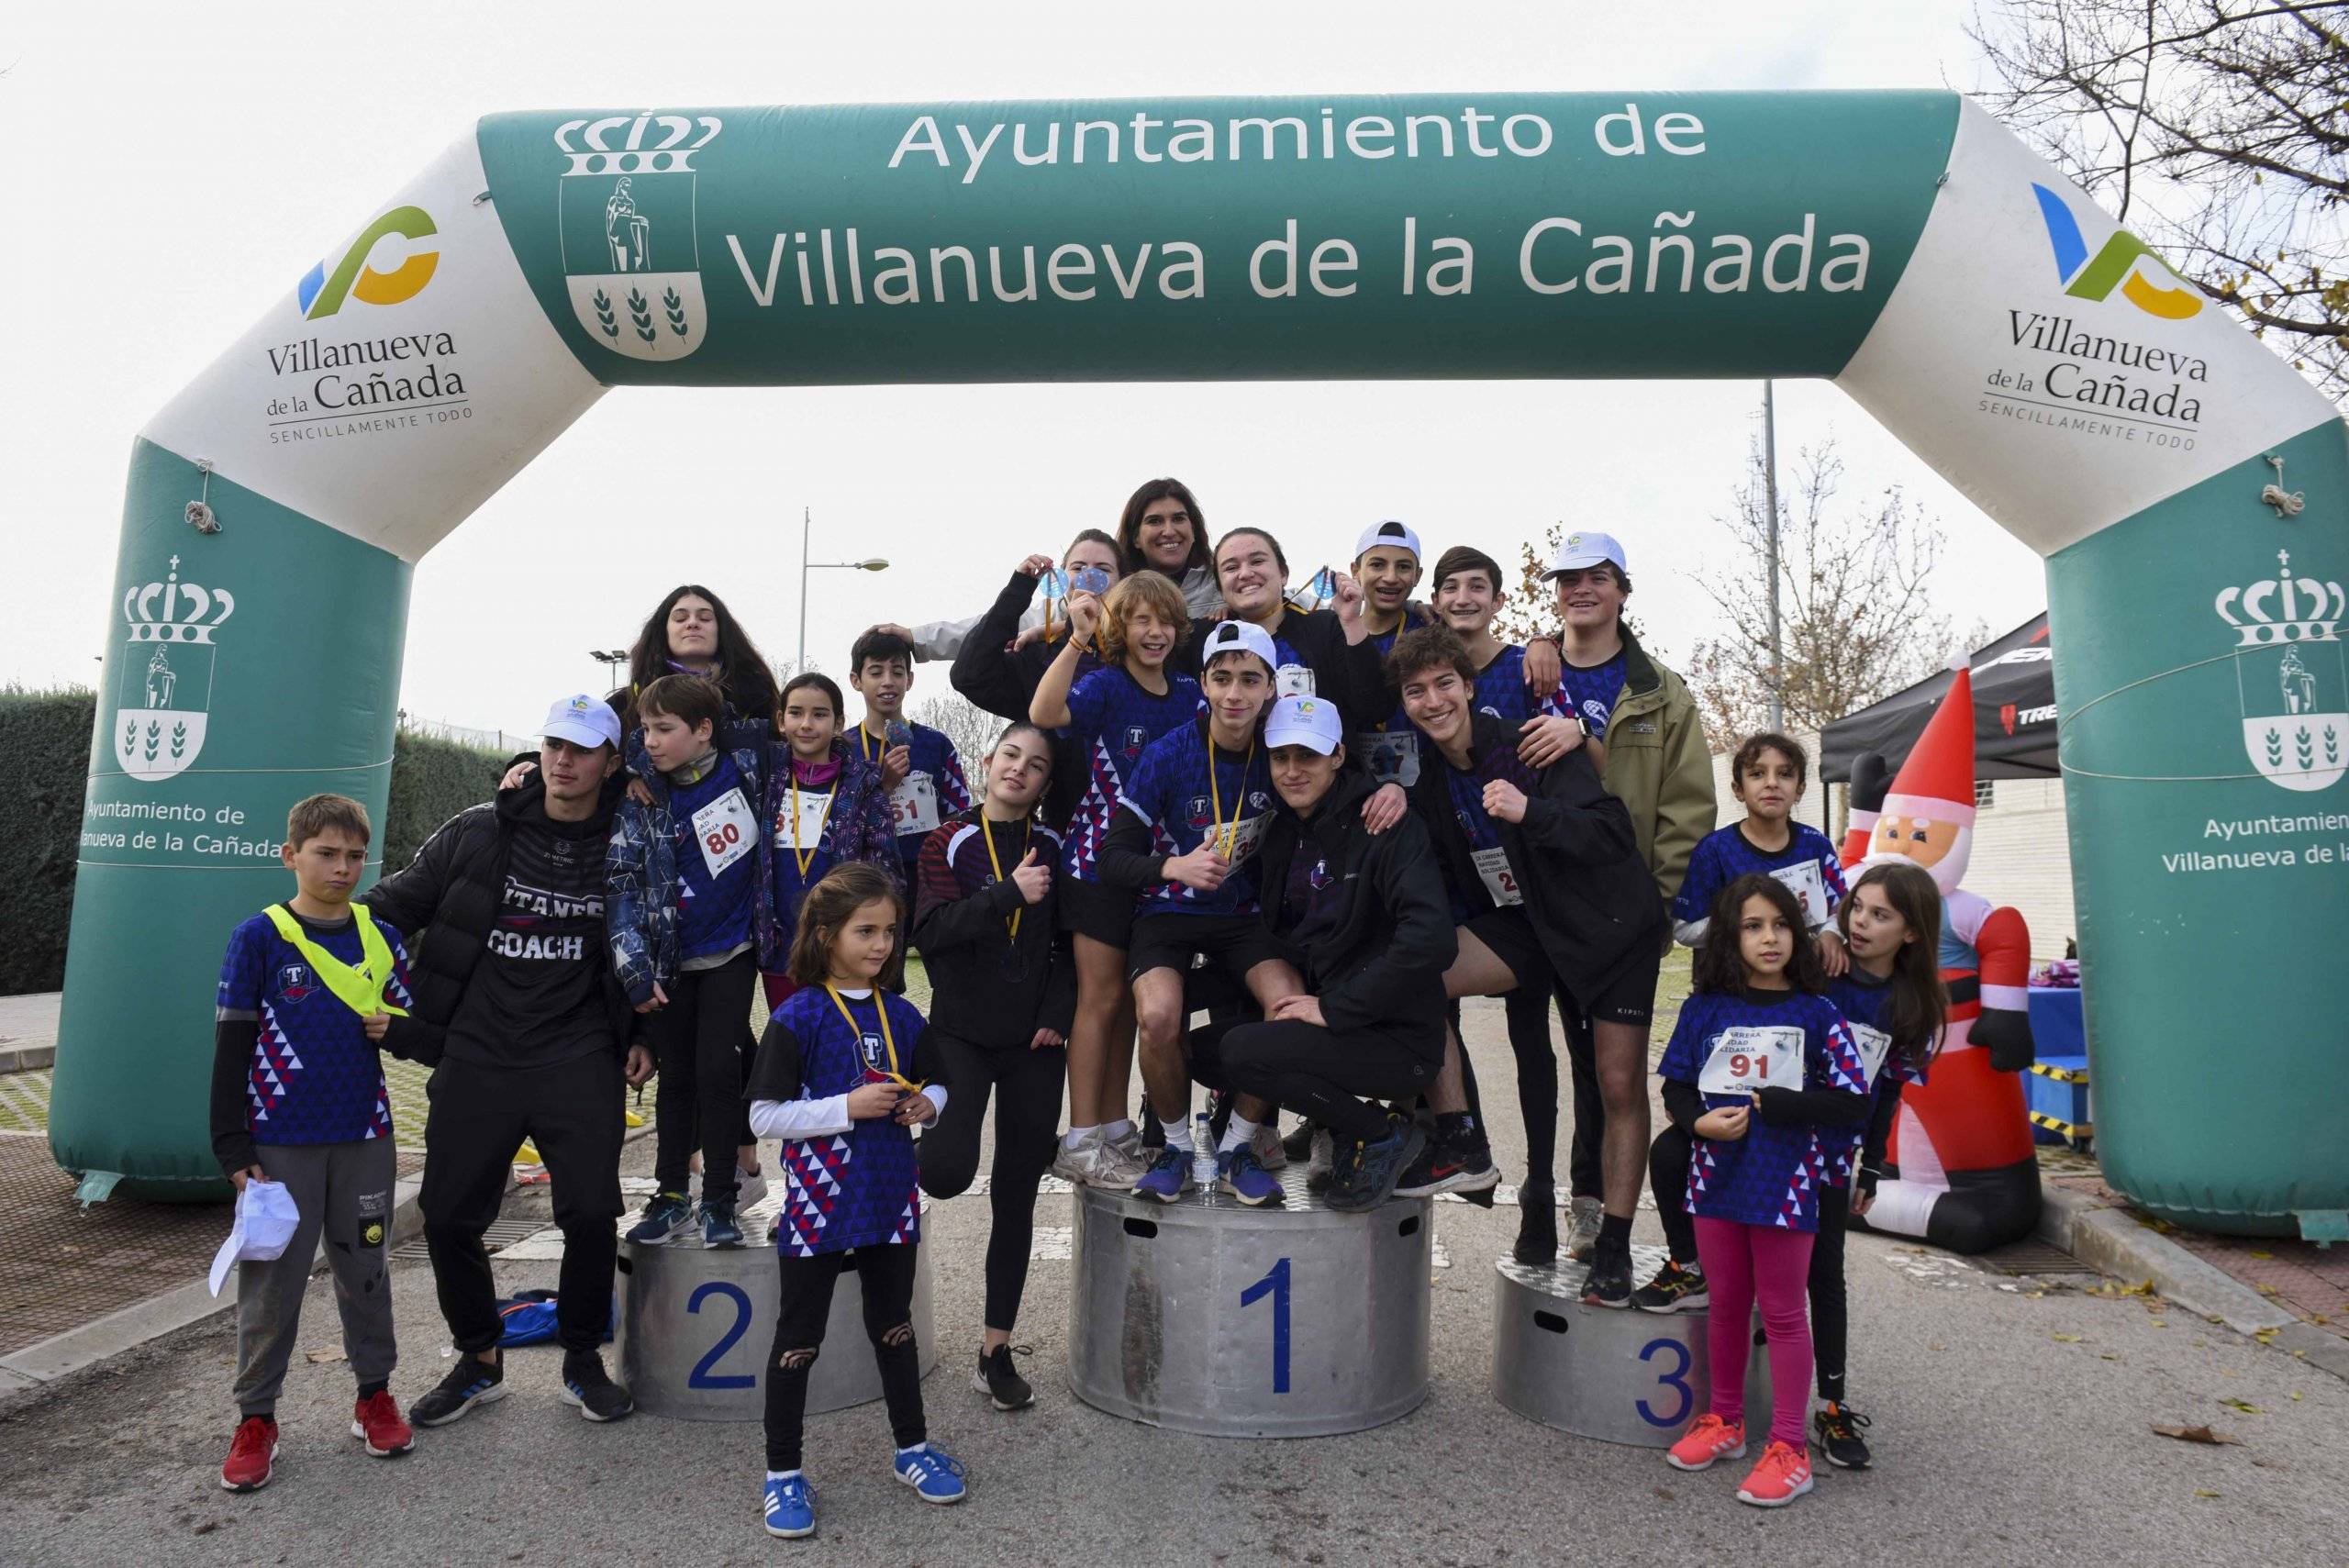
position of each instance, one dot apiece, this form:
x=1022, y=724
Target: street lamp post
x=873, y=563
x=611, y=659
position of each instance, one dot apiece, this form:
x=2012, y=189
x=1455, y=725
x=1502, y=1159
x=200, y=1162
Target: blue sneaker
x=665, y=1215
x=935, y=1474
x=1240, y=1174
x=1168, y=1178
x=791, y=1507
x=717, y=1226
x=1377, y=1168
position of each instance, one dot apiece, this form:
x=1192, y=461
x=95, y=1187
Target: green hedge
x=44, y=762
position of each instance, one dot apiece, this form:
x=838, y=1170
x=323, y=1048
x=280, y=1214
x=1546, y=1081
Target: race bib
x=1810, y=888
x=913, y=803
x=1393, y=755
x=725, y=830
x=1874, y=1044
x=1499, y=880
x=1753, y=1057
x=1291, y=680
x=1239, y=841
x=813, y=810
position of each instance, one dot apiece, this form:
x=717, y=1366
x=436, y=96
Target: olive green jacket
x=1659, y=766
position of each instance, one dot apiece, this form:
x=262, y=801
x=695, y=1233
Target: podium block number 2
x=701, y=1376
x=1276, y=1285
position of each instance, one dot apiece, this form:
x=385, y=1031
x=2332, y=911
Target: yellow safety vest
x=360, y=990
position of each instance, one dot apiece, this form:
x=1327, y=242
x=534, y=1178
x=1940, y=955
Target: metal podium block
x=1620, y=1375
x=695, y=1325
x=1209, y=1316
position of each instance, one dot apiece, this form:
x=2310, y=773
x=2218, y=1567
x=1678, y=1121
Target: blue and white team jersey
x=1390, y=749
x=1588, y=694
x=1808, y=866
x=315, y=1076
x=932, y=790
x=1113, y=721
x=1185, y=802
x=858, y=1188
x=1862, y=999
x=1501, y=688
x=1732, y=1045
x=716, y=829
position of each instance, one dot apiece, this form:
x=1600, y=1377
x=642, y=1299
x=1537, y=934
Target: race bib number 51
x=1753, y=1057
x=725, y=830
x=913, y=803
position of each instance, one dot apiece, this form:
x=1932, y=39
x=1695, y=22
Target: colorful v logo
x=2115, y=264
x=321, y=295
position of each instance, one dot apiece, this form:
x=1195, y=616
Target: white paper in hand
x=265, y=1222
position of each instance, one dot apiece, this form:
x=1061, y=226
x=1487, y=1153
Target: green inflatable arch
x=1902, y=243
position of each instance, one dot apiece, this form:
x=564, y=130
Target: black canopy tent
x=2014, y=714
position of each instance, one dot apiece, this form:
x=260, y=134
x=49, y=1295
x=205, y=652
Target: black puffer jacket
x=445, y=905
x=1376, y=958
x=1003, y=680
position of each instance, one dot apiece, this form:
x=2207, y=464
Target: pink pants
x=1741, y=1261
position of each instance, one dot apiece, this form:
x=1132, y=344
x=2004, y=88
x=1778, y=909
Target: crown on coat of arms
x=155, y=610
x=2282, y=608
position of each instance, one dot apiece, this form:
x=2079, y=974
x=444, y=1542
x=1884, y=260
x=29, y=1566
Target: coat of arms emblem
x=2291, y=678
x=632, y=259
x=166, y=691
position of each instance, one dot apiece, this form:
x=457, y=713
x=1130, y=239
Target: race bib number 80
x=725, y=830
x=1753, y=1057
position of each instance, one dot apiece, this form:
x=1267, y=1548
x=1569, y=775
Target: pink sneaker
x=1710, y=1439
x=1783, y=1475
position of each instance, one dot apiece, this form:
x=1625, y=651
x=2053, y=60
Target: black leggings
x=1583, y=1173
x=1026, y=1087
x=1668, y=1179
x=1829, y=1320
x=886, y=1272
x=702, y=1038
x=1528, y=1009
x=1319, y=1072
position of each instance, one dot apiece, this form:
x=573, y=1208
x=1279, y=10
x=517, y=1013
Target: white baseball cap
x=1310, y=722
x=1239, y=637
x=1584, y=547
x=584, y=721
x=1389, y=532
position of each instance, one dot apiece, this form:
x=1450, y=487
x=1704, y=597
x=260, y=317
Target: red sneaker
x=251, y=1454
x=1783, y=1475
x=1710, y=1439
x=376, y=1419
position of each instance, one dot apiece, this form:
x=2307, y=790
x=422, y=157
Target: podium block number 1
x=1276, y=1285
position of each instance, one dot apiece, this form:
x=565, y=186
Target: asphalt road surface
x=2012, y=1424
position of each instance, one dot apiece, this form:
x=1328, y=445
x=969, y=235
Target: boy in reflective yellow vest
x=309, y=991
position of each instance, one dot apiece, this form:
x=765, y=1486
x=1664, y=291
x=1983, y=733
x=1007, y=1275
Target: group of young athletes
x=1315, y=821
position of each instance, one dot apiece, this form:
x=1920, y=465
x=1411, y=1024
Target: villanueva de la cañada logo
x=2115, y=264
x=320, y=295
x=632, y=259
x=166, y=691
x=2291, y=678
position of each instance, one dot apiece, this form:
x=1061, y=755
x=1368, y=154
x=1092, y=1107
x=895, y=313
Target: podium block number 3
x=1276, y=1285
x=701, y=1376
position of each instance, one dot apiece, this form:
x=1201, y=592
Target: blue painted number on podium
x=1276, y=1283
x=1678, y=1378
x=701, y=1376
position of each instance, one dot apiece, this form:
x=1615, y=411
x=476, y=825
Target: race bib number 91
x=1753, y=1057
x=725, y=830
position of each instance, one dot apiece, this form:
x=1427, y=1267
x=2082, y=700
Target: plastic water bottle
x=1203, y=1151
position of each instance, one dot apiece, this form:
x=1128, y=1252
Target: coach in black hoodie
x=1365, y=919
x=528, y=1029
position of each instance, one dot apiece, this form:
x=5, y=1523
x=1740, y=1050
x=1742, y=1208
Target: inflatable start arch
x=1902, y=243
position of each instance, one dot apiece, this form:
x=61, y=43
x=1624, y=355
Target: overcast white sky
x=175, y=173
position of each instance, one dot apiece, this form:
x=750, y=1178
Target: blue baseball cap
x=1310, y=722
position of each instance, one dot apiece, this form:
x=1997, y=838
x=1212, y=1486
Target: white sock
x=1178, y=1135
x=1236, y=1133
x=918, y=1447
x=1116, y=1130
x=1077, y=1135
x=781, y=1474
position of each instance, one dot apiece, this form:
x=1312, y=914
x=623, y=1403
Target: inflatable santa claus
x=1962, y=1173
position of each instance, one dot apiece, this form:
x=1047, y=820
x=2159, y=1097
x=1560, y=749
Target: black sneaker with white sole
x=1001, y=1381
x=469, y=1383
x=586, y=1385
x=1610, y=1281
x=1835, y=1432
x=1449, y=1166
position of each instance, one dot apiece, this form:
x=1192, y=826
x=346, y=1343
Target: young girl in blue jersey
x=1893, y=999
x=1002, y=992
x=1763, y=1071
x=845, y=1072
x=690, y=870
x=828, y=807
x=1108, y=719
x=1767, y=774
